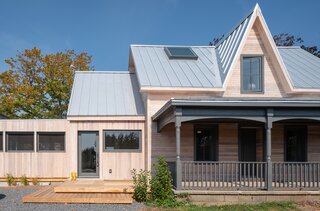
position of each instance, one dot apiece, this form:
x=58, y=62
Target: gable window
x=20, y=141
x=51, y=141
x=296, y=143
x=252, y=74
x=122, y=140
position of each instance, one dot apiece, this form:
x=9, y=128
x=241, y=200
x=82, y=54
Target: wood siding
x=35, y=164
x=120, y=163
x=254, y=45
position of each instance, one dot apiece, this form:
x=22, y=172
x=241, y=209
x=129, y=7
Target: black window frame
x=51, y=133
x=305, y=144
x=122, y=150
x=1, y=141
x=194, y=56
x=261, y=90
x=19, y=132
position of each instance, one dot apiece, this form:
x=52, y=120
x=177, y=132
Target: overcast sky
x=105, y=29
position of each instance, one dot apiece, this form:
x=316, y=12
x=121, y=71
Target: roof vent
x=180, y=53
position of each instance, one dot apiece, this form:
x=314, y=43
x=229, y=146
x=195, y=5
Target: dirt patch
x=308, y=206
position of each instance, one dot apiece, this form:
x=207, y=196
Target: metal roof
x=105, y=93
x=303, y=67
x=155, y=69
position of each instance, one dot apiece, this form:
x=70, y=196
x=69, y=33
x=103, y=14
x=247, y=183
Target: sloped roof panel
x=155, y=69
x=105, y=94
x=303, y=67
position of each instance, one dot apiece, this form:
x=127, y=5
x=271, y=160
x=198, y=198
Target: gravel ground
x=11, y=200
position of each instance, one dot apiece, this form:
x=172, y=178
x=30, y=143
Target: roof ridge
x=104, y=72
x=295, y=46
x=190, y=46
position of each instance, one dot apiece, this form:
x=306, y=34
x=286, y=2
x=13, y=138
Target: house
x=243, y=114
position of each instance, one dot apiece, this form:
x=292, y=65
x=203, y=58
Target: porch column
x=268, y=151
x=178, y=151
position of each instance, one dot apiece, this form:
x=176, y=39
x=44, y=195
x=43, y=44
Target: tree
x=39, y=86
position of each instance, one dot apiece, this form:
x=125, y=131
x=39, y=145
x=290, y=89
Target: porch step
x=95, y=186
x=47, y=195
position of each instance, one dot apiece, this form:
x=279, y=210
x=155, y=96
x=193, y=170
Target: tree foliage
x=39, y=86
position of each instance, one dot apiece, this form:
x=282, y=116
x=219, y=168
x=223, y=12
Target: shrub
x=161, y=185
x=35, y=181
x=10, y=180
x=24, y=180
x=140, y=185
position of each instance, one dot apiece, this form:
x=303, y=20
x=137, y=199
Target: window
x=128, y=140
x=180, y=53
x=296, y=143
x=1, y=141
x=20, y=141
x=51, y=141
x=252, y=80
x=206, y=147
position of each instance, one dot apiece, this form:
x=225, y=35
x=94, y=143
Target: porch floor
x=84, y=191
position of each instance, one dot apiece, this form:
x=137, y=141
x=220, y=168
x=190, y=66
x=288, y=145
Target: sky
x=105, y=29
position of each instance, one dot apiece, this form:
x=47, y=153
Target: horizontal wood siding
x=35, y=164
x=314, y=143
x=228, y=142
x=254, y=45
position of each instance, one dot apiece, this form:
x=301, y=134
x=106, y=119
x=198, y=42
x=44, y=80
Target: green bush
x=24, y=180
x=140, y=185
x=161, y=189
x=10, y=180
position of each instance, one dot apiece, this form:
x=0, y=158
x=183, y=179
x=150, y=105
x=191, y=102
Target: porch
x=275, y=145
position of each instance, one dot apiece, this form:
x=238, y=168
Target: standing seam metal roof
x=105, y=94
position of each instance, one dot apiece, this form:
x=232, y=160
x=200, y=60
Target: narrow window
x=296, y=143
x=1, y=141
x=252, y=80
x=51, y=141
x=126, y=140
x=20, y=141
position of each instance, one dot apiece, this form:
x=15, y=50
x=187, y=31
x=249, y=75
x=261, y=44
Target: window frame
x=122, y=150
x=51, y=133
x=243, y=91
x=188, y=57
x=2, y=133
x=18, y=132
x=305, y=151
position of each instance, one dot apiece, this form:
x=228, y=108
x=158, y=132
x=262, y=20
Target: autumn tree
x=39, y=86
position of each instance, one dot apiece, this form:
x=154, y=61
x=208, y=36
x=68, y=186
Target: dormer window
x=252, y=74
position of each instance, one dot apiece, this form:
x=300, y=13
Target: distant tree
x=39, y=86
x=283, y=39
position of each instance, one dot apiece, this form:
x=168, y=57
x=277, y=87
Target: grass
x=269, y=206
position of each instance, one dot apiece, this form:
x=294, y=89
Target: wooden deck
x=84, y=191
x=95, y=186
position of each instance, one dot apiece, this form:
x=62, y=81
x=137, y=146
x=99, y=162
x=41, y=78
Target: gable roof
x=105, y=93
x=213, y=67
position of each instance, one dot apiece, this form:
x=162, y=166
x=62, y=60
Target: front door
x=88, y=154
x=206, y=143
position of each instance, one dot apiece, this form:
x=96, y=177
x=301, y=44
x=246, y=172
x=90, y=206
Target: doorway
x=88, y=154
x=206, y=147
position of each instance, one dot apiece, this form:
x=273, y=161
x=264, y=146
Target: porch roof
x=248, y=109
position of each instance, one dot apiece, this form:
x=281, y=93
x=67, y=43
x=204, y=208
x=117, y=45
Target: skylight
x=180, y=53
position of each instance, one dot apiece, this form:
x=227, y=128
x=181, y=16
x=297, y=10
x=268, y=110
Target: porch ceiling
x=232, y=108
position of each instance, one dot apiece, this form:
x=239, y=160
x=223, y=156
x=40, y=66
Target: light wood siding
x=277, y=143
x=228, y=142
x=254, y=45
x=314, y=143
x=35, y=164
x=120, y=163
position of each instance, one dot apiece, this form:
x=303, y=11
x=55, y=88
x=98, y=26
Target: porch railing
x=223, y=175
x=198, y=175
x=296, y=175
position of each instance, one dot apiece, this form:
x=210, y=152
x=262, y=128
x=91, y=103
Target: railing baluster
x=215, y=174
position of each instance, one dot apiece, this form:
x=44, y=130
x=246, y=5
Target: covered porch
x=243, y=144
